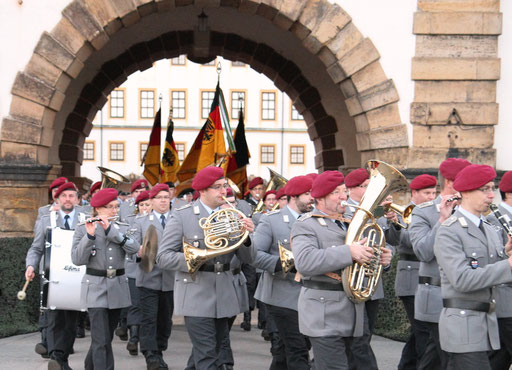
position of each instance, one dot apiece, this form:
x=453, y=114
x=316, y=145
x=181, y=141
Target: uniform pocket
x=465, y=326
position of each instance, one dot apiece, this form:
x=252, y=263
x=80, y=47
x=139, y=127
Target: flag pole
x=219, y=71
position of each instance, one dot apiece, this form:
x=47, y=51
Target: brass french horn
x=220, y=229
x=360, y=280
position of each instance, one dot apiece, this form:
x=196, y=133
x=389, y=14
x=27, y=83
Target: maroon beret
x=312, y=175
x=58, y=182
x=325, y=183
x=65, y=186
x=157, y=189
x=268, y=193
x=144, y=195
x=95, y=186
x=195, y=196
x=206, y=177
x=139, y=184
x=452, y=166
x=506, y=182
x=229, y=192
x=298, y=185
x=255, y=182
x=422, y=182
x=103, y=197
x=473, y=177
x=280, y=193
x=356, y=177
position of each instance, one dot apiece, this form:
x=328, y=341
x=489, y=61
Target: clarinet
x=504, y=220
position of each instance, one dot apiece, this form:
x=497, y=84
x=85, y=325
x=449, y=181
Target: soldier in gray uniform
x=175, y=201
x=269, y=200
x=277, y=290
x=102, y=246
x=470, y=256
x=501, y=359
x=326, y=315
x=61, y=324
x=423, y=189
x=128, y=207
x=426, y=220
x=209, y=300
x=133, y=316
x=155, y=287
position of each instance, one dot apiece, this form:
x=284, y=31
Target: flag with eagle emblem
x=170, y=160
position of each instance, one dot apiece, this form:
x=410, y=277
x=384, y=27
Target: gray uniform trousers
x=471, y=265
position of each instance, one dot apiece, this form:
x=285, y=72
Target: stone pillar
x=455, y=70
x=24, y=188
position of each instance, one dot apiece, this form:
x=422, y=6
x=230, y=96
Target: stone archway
x=310, y=49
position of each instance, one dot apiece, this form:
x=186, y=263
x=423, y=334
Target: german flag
x=151, y=160
x=236, y=168
x=170, y=160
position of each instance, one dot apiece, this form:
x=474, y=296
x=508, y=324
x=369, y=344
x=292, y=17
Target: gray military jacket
x=275, y=288
x=422, y=233
x=36, y=250
x=503, y=292
x=126, y=209
x=318, y=247
x=211, y=294
x=470, y=266
x=130, y=264
x=100, y=291
x=157, y=279
x=246, y=207
x=240, y=283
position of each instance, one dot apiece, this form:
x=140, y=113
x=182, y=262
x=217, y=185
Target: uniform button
x=473, y=254
x=110, y=249
x=87, y=280
x=427, y=284
x=273, y=273
x=218, y=273
x=493, y=300
x=322, y=299
x=332, y=246
x=286, y=240
x=408, y=267
x=185, y=280
x=110, y=267
x=462, y=312
x=110, y=258
x=492, y=255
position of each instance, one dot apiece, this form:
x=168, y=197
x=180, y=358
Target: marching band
x=317, y=251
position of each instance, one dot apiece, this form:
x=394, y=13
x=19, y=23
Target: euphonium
x=111, y=179
x=286, y=257
x=361, y=280
x=220, y=229
x=276, y=182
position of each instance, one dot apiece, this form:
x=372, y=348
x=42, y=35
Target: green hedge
x=392, y=320
x=17, y=316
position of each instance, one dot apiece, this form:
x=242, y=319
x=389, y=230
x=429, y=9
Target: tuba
x=220, y=229
x=361, y=280
x=286, y=257
x=276, y=182
x=111, y=179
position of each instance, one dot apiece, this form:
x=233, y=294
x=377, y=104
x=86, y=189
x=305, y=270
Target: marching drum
x=62, y=279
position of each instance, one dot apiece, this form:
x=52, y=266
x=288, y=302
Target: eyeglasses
x=112, y=207
x=362, y=186
x=487, y=189
x=337, y=193
x=219, y=186
x=160, y=197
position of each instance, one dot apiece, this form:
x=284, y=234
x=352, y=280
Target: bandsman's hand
x=29, y=273
x=55, y=207
x=105, y=222
x=385, y=257
x=446, y=208
x=508, y=246
x=248, y=224
x=90, y=227
x=359, y=252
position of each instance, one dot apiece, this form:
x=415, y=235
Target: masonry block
x=79, y=16
x=441, y=113
x=455, y=91
x=456, y=46
x=20, y=132
x=358, y=57
x=455, y=68
x=457, y=23
x=453, y=136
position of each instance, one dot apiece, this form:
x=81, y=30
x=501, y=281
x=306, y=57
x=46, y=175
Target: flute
x=96, y=219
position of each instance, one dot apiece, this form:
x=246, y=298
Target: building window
x=147, y=103
x=179, y=104
x=89, y=151
x=180, y=148
x=268, y=106
x=179, y=61
x=117, y=104
x=117, y=151
x=238, y=99
x=296, y=154
x=143, y=147
x=267, y=154
x=238, y=64
x=206, y=103
x=296, y=116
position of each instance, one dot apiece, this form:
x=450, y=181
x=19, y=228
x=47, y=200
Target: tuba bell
x=220, y=229
x=111, y=179
x=286, y=257
x=276, y=182
x=361, y=280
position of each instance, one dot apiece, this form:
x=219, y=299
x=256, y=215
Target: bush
x=392, y=320
x=18, y=317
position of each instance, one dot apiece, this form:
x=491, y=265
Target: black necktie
x=162, y=220
x=481, y=226
x=340, y=224
x=66, y=223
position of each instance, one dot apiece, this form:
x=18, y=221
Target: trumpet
x=97, y=219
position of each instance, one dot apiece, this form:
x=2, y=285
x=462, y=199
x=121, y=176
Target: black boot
x=133, y=343
x=152, y=360
x=278, y=352
x=122, y=332
x=246, y=324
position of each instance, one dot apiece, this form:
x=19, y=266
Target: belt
x=427, y=280
x=468, y=305
x=408, y=257
x=110, y=273
x=216, y=267
x=321, y=285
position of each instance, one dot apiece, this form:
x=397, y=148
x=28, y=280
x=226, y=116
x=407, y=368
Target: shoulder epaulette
x=122, y=223
x=426, y=204
x=272, y=213
x=184, y=207
x=450, y=221
x=140, y=215
x=305, y=216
